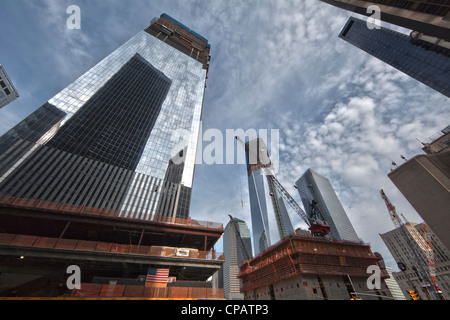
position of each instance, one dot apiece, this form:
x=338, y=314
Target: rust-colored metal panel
x=71, y=208
x=88, y=290
x=198, y=293
x=6, y=199
x=134, y=291
x=48, y=205
x=22, y=240
x=133, y=249
x=86, y=245
x=24, y=202
x=112, y=291
x=119, y=248
x=6, y=238
x=66, y=244
x=179, y=293
x=156, y=293
x=92, y=211
x=45, y=242
x=104, y=247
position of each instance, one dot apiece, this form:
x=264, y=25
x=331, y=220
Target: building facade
x=398, y=248
x=237, y=248
x=427, y=16
x=105, y=141
x=315, y=187
x=8, y=92
x=393, y=286
x=257, y=192
x=302, y=267
x=94, y=177
x=424, y=181
x=430, y=67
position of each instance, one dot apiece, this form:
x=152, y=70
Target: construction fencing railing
x=93, y=246
x=36, y=204
x=92, y=290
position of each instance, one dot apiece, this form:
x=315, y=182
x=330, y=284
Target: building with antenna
x=424, y=181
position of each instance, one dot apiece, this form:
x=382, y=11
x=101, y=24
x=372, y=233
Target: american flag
x=159, y=276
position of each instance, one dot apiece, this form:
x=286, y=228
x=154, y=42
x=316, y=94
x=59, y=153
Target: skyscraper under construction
x=96, y=169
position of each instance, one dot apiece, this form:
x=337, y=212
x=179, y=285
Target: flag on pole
x=157, y=277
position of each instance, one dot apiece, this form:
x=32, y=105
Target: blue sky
x=275, y=65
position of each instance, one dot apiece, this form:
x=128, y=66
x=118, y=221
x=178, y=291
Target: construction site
x=112, y=252
x=303, y=267
x=306, y=265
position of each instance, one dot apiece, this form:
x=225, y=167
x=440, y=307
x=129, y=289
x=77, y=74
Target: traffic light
x=414, y=295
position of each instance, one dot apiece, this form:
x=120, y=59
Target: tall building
x=315, y=187
x=97, y=163
x=260, y=169
x=8, y=92
x=113, y=127
x=403, y=52
x=424, y=181
x=237, y=248
x=257, y=192
x=426, y=16
x=398, y=248
x=393, y=286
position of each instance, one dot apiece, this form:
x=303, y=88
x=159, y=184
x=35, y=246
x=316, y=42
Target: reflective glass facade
x=107, y=140
x=257, y=192
x=430, y=67
x=313, y=186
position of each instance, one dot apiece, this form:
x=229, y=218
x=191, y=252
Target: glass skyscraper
x=107, y=140
x=430, y=17
x=315, y=187
x=420, y=60
x=257, y=192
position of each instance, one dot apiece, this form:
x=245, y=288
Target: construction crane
x=247, y=256
x=316, y=222
x=426, y=278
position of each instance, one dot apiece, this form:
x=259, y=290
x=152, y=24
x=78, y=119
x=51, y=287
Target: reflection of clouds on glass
x=181, y=109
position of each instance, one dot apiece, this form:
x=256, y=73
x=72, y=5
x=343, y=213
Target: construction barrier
x=34, y=204
x=134, y=291
x=82, y=245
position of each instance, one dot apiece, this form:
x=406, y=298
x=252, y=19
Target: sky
x=276, y=64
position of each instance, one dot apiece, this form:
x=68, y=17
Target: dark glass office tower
x=431, y=17
x=431, y=67
x=107, y=140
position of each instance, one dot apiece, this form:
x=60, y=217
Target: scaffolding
x=296, y=256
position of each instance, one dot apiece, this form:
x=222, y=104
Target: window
x=7, y=91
